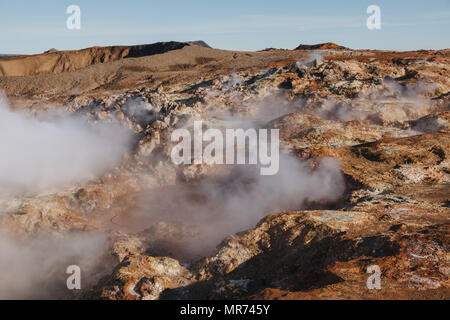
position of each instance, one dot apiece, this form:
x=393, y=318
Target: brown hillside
x=54, y=61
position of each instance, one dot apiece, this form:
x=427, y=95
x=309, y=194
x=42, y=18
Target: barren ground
x=176, y=231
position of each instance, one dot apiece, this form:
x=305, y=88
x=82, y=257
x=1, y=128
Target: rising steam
x=36, y=268
x=40, y=154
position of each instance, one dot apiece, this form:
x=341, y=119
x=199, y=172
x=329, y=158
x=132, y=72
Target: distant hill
x=200, y=43
x=6, y=56
x=54, y=61
x=320, y=46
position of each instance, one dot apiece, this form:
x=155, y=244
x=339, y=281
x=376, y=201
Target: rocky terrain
x=364, y=178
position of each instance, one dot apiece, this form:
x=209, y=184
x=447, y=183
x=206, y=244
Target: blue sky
x=35, y=26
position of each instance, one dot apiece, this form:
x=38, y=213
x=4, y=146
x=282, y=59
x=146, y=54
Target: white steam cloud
x=36, y=268
x=41, y=154
x=219, y=206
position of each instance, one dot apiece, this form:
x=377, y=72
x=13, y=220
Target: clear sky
x=35, y=26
